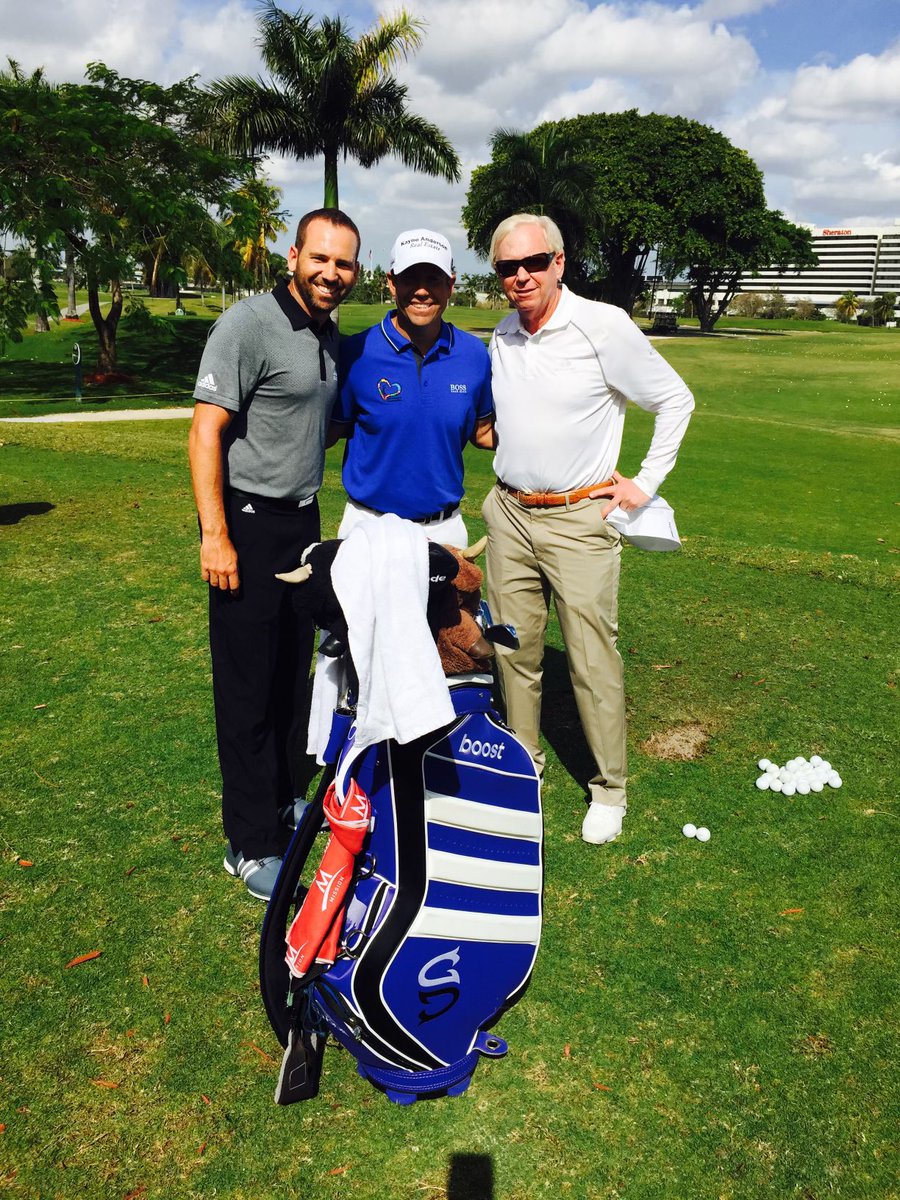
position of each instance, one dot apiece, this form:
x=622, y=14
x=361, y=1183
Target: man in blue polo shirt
x=413, y=391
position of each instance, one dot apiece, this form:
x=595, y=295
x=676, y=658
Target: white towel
x=380, y=577
x=325, y=694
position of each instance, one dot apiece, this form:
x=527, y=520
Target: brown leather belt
x=551, y=499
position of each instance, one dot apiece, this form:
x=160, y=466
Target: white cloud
x=216, y=44
x=656, y=43
x=603, y=95
x=865, y=89
x=130, y=38
x=822, y=133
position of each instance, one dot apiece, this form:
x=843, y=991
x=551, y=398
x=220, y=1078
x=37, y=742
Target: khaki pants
x=572, y=555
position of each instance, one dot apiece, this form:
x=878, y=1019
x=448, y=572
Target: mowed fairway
x=706, y=1022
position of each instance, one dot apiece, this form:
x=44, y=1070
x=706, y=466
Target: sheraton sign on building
x=864, y=260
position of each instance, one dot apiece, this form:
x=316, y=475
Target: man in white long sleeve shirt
x=563, y=370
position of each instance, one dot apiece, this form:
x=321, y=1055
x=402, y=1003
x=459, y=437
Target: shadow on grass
x=12, y=514
x=560, y=723
x=163, y=358
x=471, y=1177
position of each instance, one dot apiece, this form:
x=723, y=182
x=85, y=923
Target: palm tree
x=540, y=173
x=329, y=94
x=883, y=308
x=847, y=306
x=255, y=220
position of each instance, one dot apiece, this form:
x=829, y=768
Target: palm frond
x=247, y=116
x=389, y=43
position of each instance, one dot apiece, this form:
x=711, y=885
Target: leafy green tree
x=371, y=287
x=776, y=306
x=635, y=183
x=115, y=168
x=883, y=308
x=807, y=310
x=541, y=173
x=747, y=304
x=847, y=306
x=23, y=291
x=487, y=284
x=331, y=95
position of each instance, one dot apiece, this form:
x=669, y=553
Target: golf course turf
x=706, y=1021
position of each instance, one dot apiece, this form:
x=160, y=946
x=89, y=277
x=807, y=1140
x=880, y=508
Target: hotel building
x=859, y=259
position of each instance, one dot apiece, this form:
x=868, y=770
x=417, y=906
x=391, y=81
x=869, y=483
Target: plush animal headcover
x=460, y=641
x=454, y=592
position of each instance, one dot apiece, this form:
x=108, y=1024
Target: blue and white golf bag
x=443, y=915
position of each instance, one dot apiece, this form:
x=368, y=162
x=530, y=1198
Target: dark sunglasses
x=533, y=264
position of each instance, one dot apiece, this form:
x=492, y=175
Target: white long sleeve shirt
x=560, y=396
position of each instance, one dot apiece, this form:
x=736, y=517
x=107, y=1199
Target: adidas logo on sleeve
x=208, y=383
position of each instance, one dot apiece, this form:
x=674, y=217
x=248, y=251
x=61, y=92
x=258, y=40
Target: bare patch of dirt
x=681, y=743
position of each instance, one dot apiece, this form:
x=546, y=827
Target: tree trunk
x=107, y=327
x=625, y=274
x=71, y=306
x=41, y=323
x=331, y=178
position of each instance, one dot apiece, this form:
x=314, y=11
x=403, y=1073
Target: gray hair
x=550, y=228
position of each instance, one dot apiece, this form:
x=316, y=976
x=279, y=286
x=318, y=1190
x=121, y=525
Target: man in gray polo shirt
x=265, y=390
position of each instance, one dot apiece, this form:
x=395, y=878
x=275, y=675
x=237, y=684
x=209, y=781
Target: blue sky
x=811, y=88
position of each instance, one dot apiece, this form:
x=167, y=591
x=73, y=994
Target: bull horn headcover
x=299, y=575
x=473, y=551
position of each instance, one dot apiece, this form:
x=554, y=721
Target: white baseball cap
x=421, y=246
x=651, y=527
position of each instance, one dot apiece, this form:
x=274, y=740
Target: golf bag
x=442, y=920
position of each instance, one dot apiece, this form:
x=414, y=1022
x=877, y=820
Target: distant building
x=861, y=260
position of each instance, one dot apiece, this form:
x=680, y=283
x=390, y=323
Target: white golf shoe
x=603, y=823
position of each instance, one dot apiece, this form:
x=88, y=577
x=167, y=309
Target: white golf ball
x=784, y=774
x=825, y=764
x=789, y=788
x=815, y=761
x=764, y=764
x=702, y=834
x=816, y=785
x=775, y=784
x=689, y=830
x=763, y=783
x=834, y=780
x=803, y=787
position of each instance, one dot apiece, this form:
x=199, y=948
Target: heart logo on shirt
x=388, y=390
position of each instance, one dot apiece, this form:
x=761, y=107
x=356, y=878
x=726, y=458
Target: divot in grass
x=680, y=743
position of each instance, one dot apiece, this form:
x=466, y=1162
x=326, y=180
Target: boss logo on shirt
x=458, y=387
x=388, y=390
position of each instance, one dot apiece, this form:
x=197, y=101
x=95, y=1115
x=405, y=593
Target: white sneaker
x=603, y=823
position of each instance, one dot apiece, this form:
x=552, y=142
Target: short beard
x=311, y=300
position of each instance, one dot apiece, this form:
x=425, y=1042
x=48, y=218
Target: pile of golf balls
x=798, y=776
x=701, y=833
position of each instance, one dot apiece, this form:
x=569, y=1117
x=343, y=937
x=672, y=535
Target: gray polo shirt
x=267, y=362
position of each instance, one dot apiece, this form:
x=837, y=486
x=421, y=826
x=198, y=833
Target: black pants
x=261, y=652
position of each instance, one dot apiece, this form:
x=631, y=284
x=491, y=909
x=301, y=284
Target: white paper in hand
x=651, y=527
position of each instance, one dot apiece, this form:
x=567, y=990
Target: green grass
x=748, y=1051
x=37, y=376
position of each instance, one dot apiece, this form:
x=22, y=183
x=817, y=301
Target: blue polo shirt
x=411, y=417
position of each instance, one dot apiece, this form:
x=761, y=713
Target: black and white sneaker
x=259, y=874
x=292, y=814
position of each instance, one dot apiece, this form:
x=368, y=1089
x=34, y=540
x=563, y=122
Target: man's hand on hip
x=623, y=493
x=219, y=563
